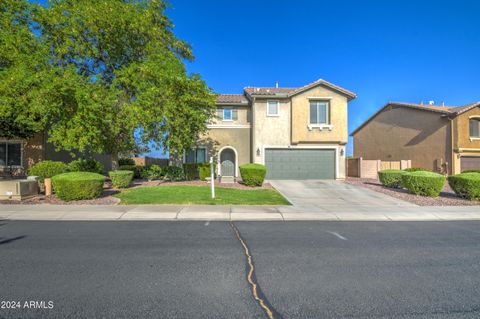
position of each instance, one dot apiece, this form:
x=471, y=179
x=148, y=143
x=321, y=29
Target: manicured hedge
x=86, y=165
x=253, y=174
x=424, y=183
x=471, y=171
x=136, y=169
x=48, y=169
x=173, y=173
x=153, y=172
x=121, y=179
x=416, y=169
x=391, y=178
x=191, y=171
x=466, y=185
x=204, y=170
x=78, y=185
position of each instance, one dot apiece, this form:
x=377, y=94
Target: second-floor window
x=319, y=113
x=227, y=114
x=272, y=108
x=475, y=128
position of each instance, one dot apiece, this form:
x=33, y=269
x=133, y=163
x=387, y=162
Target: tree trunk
x=115, y=161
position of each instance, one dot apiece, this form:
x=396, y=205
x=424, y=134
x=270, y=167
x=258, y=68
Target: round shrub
x=78, y=185
x=191, y=171
x=86, y=165
x=48, y=169
x=391, y=178
x=121, y=179
x=136, y=169
x=126, y=161
x=416, y=169
x=204, y=170
x=424, y=183
x=471, y=171
x=253, y=174
x=152, y=172
x=173, y=173
x=466, y=185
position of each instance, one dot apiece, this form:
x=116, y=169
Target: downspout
x=452, y=171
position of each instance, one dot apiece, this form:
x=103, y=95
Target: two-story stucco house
x=439, y=138
x=298, y=133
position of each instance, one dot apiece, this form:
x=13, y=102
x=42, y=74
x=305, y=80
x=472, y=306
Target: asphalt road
x=198, y=269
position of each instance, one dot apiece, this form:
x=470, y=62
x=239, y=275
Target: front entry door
x=227, y=160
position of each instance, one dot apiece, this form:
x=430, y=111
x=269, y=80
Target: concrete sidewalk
x=239, y=213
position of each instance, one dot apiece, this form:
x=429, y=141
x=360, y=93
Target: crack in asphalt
x=252, y=279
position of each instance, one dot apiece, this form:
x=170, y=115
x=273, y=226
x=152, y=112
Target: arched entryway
x=228, y=162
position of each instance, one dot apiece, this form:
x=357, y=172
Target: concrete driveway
x=329, y=196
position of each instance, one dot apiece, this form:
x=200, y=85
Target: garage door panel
x=469, y=162
x=300, y=163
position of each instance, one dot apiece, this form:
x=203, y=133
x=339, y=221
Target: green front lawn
x=200, y=195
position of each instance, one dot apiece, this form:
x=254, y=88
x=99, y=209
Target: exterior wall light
x=258, y=151
x=342, y=152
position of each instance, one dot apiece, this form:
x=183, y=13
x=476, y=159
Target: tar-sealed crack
x=252, y=279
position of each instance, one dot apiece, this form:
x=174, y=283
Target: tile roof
x=287, y=92
x=232, y=99
x=451, y=111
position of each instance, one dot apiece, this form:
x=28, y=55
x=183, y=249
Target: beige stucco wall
x=236, y=138
x=463, y=144
x=243, y=115
x=270, y=130
x=338, y=117
x=399, y=133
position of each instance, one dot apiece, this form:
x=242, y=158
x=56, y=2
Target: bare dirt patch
x=447, y=196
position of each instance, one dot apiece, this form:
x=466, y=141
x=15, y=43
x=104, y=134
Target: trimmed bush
x=391, y=178
x=466, y=185
x=173, y=173
x=136, y=169
x=48, y=169
x=253, y=174
x=416, y=169
x=152, y=172
x=191, y=171
x=424, y=183
x=121, y=179
x=471, y=171
x=204, y=170
x=86, y=165
x=78, y=185
x=126, y=161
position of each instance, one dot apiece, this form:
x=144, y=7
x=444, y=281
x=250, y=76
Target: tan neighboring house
x=440, y=138
x=17, y=155
x=298, y=133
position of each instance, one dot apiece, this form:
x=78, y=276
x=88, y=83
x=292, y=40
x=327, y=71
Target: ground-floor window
x=10, y=153
x=197, y=155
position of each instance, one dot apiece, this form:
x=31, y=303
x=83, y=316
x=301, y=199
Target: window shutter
x=234, y=114
x=220, y=114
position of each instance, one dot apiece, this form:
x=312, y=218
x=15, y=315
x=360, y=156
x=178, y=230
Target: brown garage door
x=469, y=162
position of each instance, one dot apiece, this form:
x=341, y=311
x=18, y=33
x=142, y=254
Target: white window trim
x=473, y=117
x=196, y=147
x=21, y=152
x=278, y=108
x=231, y=114
x=320, y=126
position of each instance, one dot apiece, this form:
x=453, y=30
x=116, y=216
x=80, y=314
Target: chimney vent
x=276, y=84
x=431, y=102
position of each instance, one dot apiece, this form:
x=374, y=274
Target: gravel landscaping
x=447, y=196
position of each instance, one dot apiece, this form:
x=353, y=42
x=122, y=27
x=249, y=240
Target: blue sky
x=382, y=50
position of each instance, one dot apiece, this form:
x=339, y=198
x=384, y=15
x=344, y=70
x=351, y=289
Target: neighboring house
x=298, y=133
x=439, y=138
x=17, y=155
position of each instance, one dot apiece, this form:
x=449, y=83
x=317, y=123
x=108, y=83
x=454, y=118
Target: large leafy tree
x=113, y=77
